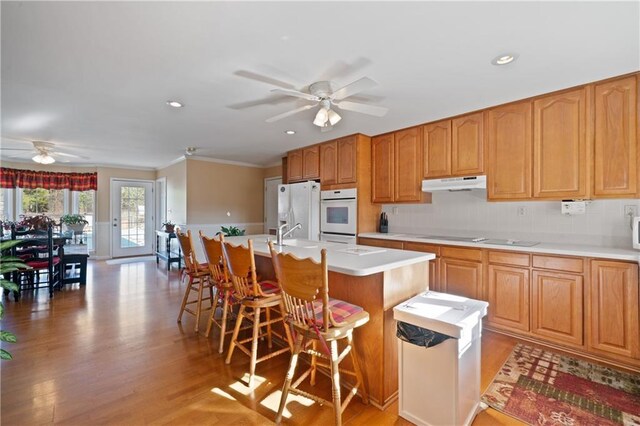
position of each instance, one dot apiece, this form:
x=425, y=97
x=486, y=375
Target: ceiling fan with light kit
x=322, y=93
x=42, y=153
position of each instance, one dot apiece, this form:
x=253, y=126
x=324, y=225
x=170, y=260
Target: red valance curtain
x=31, y=179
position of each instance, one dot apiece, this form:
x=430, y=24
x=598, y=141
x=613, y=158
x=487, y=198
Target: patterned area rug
x=543, y=388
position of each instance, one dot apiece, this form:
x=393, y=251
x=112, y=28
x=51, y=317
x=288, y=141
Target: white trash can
x=440, y=385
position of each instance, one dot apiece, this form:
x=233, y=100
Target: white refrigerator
x=300, y=203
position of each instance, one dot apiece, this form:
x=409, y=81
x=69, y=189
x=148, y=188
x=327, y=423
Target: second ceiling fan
x=322, y=93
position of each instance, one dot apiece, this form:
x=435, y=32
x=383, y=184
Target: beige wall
x=103, y=196
x=213, y=189
x=176, y=176
x=274, y=171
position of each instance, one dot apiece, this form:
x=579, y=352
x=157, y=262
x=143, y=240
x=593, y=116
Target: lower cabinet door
x=557, y=307
x=508, y=296
x=613, y=308
x=461, y=277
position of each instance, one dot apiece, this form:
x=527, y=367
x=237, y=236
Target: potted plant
x=231, y=231
x=74, y=222
x=169, y=227
x=8, y=264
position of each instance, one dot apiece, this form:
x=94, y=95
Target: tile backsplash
x=468, y=213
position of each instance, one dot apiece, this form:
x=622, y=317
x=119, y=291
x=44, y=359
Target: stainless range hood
x=455, y=184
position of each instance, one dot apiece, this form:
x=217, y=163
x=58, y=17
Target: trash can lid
x=444, y=313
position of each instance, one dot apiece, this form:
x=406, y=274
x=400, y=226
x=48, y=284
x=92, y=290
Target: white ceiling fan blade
x=351, y=89
x=16, y=149
x=288, y=113
x=362, y=108
x=64, y=154
x=263, y=78
x=297, y=94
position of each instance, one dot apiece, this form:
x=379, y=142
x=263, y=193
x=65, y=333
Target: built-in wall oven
x=339, y=215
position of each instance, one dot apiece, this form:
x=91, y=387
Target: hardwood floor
x=112, y=353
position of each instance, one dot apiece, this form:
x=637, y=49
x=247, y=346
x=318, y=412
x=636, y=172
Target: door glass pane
x=132, y=223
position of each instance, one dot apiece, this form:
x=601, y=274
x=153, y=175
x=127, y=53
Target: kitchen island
x=376, y=279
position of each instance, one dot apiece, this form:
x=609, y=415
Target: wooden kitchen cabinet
x=612, y=310
x=347, y=160
x=382, y=152
x=311, y=162
x=294, y=166
x=378, y=242
x=461, y=277
x=560, y=145
x=615, y=139
x=508, y=297
x=436, y=150
x=434, y=265
x=329, y=163
x=557, y=307
x=467, y=145
x=407, y=165
x=509, y=152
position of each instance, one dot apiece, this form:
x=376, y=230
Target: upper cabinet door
x=311, y=162
x=329, y=163
x=615, y=161
x=347, y=154
x=560, y=155
x=436, y=149
x=509, y=152
x=467, y=145
x=294, y=166
x=382, y=168
x=408, y=165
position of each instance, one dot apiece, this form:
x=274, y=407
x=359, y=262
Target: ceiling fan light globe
x=44, y=159
x=321, y=117
x=334, y=117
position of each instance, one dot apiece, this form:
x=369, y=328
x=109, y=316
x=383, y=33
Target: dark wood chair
x=319, y=322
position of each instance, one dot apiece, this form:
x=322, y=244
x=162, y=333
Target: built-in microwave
x=636, y=232
x=339, y=212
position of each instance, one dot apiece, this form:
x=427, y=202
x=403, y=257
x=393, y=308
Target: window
x=6, y=204
x=52, y=202
x=84, y=203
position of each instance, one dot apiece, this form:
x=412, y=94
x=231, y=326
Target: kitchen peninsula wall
x=469, y=213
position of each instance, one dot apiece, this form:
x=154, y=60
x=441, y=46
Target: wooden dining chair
x=318, y=323
x=255, y=298
x=224, y=287
x=198, y=279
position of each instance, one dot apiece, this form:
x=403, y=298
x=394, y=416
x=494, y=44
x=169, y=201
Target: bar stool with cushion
x=224, y=288
x=318, y=323
x=255, y=297
x=199, y=279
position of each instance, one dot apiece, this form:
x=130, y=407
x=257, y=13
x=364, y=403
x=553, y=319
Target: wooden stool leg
x=290, y=372
x=335, y=383
x=268, y=315
x=362, y=389
x=223, y=324
x=212, y=314
x=254, y=344
x=199, y=303
x=234, y=337
x=184, y=299
x=314, y=364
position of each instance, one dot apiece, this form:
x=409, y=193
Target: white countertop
x=342, y=258
x=549, y=248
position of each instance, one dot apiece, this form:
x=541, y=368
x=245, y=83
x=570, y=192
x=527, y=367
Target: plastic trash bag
x=419, y=336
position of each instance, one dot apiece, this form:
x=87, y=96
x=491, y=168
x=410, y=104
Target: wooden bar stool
x=199, y=279
x=321, y=321
x=224, y=287
x=255, y=297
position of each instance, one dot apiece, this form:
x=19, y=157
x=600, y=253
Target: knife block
x=383, y=229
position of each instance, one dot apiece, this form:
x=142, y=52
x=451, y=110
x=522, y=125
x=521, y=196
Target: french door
x=131, y=218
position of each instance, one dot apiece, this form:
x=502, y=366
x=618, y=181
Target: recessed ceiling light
x=504, y=59
x=174, y=104
x=290, y=132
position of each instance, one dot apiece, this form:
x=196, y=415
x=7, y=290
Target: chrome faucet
x=280, y=235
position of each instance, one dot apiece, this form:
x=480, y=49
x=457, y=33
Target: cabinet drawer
x=428, y=248
x=461, y=253
x=507, y=258
x=380, y=243
x=564, y=264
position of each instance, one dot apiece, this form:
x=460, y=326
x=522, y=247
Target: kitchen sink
x=299, y=243
x=517, y=243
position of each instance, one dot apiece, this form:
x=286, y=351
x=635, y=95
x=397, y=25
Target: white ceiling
x=94, y=77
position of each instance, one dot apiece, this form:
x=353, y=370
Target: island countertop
x=349, y=259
